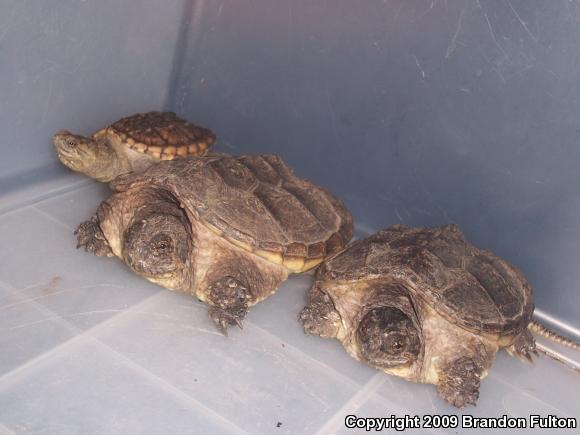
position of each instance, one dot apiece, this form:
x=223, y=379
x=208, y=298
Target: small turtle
x=425, y=305
x=132, y=144
x=226, y=229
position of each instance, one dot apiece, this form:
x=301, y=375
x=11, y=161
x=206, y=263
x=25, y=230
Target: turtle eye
x=394, y=343
x=161, y=245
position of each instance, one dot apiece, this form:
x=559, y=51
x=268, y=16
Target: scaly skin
x=229, y=298
x=94, y=158
x=459, y=382
x=524, y=346
x=159, y=242
x=320, y=317
x=227, y=230
x=90, y=237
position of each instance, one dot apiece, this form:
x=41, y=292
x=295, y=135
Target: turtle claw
x=524, y=346
x=224, y=319
x=219, y=321
x=91, y=238
x=229, y=303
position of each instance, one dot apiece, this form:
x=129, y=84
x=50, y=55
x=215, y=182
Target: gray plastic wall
x=420, y=112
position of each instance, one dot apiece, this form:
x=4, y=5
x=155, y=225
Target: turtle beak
x=61, y=146
x=58, y=139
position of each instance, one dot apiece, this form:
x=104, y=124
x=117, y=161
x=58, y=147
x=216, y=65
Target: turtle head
x=387, y=334
x=157, y=242
x=83, y=154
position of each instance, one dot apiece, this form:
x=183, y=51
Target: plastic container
x=414, y=112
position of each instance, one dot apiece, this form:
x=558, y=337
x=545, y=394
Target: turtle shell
x=469, y=286
x=257, y=203
x=161, y=135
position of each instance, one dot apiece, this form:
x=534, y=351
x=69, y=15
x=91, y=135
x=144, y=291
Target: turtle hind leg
x=524, y=346
x=90, y=236
x=459, y=382
x=229, y=303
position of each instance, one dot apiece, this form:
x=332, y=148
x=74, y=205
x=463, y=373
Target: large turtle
x=132, y=144
x=226, y=229
x=423, y=304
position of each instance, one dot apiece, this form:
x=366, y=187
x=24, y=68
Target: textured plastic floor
x=88, y=347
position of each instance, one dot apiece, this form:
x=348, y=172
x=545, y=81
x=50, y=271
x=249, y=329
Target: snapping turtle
x=132, y=144
x=226, y=229
x=423, y=304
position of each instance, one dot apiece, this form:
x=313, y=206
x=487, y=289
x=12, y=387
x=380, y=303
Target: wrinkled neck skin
x=107, y=164
x=442, y=342
x=137, y=222
x=92, y=156
x=203, y=256
x=388, y=294
x=216, y=258
x=128, y=160
x=446, y=342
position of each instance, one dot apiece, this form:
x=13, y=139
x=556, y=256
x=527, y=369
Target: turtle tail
x=537, y=328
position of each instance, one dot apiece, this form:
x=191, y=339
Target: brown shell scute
x=163, y=135
x=467, y=285
x=257, y=201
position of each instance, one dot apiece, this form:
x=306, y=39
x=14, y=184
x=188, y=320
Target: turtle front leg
x=234, y=281
x=459, y=382
x=229, y=303
x=90, y=236
x=320, y=317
